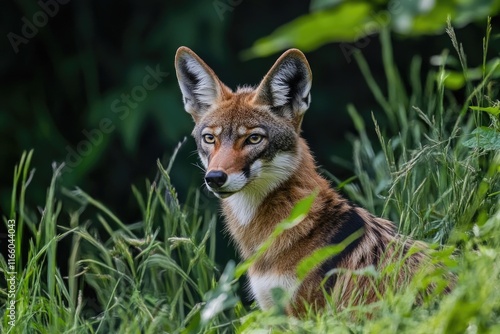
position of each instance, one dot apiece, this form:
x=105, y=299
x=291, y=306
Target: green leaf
x=454, y=80
x=298, y=213
x=432, y=21
x=222, y=297
x=484, y=138
x=495, y=111
x=344, y=23
x=317, y=257
x=301, y=209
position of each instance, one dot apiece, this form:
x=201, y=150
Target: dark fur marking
x=229, y=133
x=379, y=249
x=294, y=84
x=264, y=154
x=350, y=222
x=278, y=110
x=279, y=142
x=246, y=170
x=306, y=100
x=192, y=79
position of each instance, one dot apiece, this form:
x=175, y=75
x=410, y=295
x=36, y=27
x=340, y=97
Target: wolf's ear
x=286, y=87
x=199, y=85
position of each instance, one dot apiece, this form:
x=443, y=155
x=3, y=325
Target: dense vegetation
x=434, y=171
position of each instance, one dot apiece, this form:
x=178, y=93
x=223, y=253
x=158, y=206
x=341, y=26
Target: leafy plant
x=353, y=21
x=432, y=175
x=144, y=276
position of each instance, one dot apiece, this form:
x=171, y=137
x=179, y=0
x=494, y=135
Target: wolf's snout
x=215, y=178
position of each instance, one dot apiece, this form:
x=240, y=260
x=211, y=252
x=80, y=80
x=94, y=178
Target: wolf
x=256, y=162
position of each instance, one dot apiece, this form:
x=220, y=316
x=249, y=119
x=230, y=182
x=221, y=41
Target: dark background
x=63, y=81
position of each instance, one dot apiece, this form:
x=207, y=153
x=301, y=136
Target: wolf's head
x=247, y=140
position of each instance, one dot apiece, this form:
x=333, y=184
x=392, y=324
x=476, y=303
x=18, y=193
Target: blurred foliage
x=78, y=88
x=92, y=83
x=351, y=21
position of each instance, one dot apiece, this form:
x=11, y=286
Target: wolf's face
x=247, y=140
x=245, y=147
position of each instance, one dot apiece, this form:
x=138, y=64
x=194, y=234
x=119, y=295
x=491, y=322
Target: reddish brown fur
x=294, y=244
x=330, y=216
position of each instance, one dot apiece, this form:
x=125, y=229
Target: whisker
x=199, y=166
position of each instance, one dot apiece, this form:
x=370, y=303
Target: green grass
x=435, y=174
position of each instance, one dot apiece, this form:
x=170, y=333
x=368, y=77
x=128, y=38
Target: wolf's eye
x=208, y=138
x=254, y=139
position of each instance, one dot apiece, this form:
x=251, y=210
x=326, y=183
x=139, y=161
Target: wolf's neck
x=252, y=214
x=243, y=207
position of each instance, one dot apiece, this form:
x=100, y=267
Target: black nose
x=215, y=178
